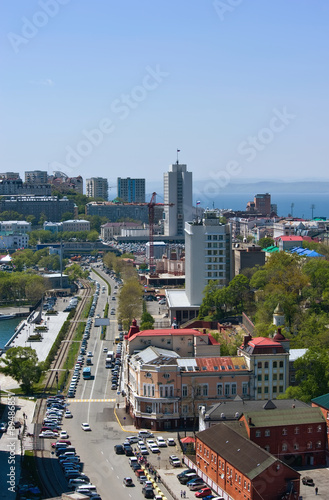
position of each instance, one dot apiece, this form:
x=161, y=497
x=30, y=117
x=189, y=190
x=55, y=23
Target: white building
x=97, y=187
x=14, y=241
x=208, y=255
x=36, y=177
x=15, y=226
x=177, y=190
x=76, y=225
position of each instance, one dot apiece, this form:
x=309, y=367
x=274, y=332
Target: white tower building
x=178, y=192
x=208, y=255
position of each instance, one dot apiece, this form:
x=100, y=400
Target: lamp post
x=56, y=377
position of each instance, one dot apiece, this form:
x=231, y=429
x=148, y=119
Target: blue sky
x=240, y=87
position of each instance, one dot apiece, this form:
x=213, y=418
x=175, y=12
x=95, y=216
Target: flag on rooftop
x=198, y=202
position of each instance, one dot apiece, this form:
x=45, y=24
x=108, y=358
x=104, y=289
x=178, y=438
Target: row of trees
x=17, y=287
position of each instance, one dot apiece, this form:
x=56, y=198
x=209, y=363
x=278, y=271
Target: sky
x=113, y=88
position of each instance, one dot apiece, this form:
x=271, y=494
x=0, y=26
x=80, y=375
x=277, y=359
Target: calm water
x=7, y=329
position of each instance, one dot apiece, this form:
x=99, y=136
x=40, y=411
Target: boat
x=7, y=316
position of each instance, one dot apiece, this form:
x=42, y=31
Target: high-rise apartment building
x=131, y=190
x=97, y=187
x=208, y=255
x=36, y=177
x=10, y=175
x=177, y=191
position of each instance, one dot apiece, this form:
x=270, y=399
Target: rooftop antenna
x=292, y=209
x=178, y=151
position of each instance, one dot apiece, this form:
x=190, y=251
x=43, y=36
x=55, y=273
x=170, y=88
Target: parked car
x=203, y=492
x=308, y=481
x=171, y=442
x=127, y=481
x=145, y=434
x=174, y=461
x=197, y=486
x=119, y=449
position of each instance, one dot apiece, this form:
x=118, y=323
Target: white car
x=68, y=414
x=171, y=442
x=85, y=427
x=161, y=442
x=154, y=448
x=48, y=434
x=63, y=435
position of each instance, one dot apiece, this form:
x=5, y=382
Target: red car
x=203, y=492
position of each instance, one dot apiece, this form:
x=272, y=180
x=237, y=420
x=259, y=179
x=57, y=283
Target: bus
x=86, y=373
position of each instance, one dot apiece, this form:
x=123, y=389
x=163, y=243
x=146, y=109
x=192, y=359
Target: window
x=281, y=364
x=245, y=484
x=233, y=389
x=219, y=389
x=259, y=378
x=284, y=432
x=266, y=378
x=258, y=434
x=275, y=376
x=265, y=390
x=284, y=446
x=227, y=389
x=318, y=444
x=244, y=388
x=280, y=376
x=198, y=391
x=310, y=429
x=309, y=445
x=185, y=409
x=184, y=391
x=267, y=448
x=259, y=390
x=296, y=431
x=266, y=364
x=259, y=365
x=296, y=446
x=267, y=432
x=319, y=428
x=281, y=388
x=205, y=390
x=274, y=389
x=275, y=364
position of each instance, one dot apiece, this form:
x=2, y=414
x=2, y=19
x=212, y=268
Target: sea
x=7, y=329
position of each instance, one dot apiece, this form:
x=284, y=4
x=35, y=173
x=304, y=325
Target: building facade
x=208, y=249
x=97, y=187
x=116, y=211
x=18, y=187
x=177, y=189
x=76, y=225
x=238, y=467
x=16, y=226
x=51, y=206
x=111, y=229
x=131, y=190
x=36, y=177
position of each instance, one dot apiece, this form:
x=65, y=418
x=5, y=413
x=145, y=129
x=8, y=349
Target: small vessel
x=6, y=316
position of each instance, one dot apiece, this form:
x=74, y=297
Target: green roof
x=293, y=416
x=271, y=249
x=322, y=401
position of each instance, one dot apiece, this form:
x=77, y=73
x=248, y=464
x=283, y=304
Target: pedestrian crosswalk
x=72, y=400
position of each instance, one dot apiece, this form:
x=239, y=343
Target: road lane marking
x=91, y=400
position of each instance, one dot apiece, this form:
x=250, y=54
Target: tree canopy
x=21, y=363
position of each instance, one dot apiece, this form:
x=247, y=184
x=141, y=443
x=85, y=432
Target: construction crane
x=151, y=206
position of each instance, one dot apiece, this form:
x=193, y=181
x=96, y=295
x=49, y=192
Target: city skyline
x=116, y=90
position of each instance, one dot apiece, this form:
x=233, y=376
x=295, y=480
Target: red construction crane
x=151, y=206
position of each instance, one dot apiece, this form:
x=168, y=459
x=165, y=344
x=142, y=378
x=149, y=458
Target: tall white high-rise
x=97, y=187
x=177, y=191
x=208, y=255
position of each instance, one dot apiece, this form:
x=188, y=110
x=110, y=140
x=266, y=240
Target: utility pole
x=292, y=209
x=312, y=208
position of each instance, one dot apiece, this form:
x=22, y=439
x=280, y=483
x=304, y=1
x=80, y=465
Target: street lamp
x=56, y=377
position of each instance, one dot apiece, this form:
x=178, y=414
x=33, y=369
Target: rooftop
x=293, y=416
x=322, y=401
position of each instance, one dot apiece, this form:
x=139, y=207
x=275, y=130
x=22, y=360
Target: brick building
x=237, y=466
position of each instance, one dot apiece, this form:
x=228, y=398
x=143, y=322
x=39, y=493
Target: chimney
x=246, y=339
x=249, y=421
x=293, y=406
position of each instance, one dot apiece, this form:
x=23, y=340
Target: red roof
x=222, y=363
x=262, y=342
x=174, y=332
x=290, y=238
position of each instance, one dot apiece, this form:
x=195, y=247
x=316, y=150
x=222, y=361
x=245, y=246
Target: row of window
x=227, y=389
x=166, y=391
x=266, y=391
x=267, y=432
x=215, y=237
x=265, y=378
x=266, y=364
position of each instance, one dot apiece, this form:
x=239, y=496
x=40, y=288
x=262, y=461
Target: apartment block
x=131, y=190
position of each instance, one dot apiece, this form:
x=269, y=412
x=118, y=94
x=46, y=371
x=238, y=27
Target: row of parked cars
x=56, y=410
x=195, y=483
x=66, y=454
x=95, y=299
x=117, y=367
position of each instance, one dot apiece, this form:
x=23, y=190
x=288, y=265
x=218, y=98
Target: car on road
x=79, y=480
x=105, y=349
x=85, y=427
x=142, y=479
x=308, y=481
x=171, y=442
x=48, y=434
x=203, y=492
x=68, y=414
x=119, y=449
x=145, y=434
x=63, y=435
x=127, y=481
x=174, y=461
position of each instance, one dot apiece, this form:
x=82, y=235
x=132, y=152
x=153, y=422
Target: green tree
x=147, y=321
x=266, y=242
x=21, y=363
x=130, y=301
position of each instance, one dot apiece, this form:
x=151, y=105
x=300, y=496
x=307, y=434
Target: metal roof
x=293, y=416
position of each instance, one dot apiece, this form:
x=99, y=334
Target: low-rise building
x=52, y=207
x=16, y=226
x=238, y=467
x=111, y=229
x=75, y=225
x=13, y=241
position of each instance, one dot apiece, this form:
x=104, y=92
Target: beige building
x=111, y=229
x=97, y=187
x=76, y=225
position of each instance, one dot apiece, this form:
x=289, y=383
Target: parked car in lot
x=145, y=434
x=203, y=492
x=197, y=486
x=154, y=448
x=161, y=442
x=171, y=442
x=174, y=461
x=119, y=449
x=308, y=481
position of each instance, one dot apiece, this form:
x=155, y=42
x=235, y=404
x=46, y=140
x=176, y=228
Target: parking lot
x=321, y=481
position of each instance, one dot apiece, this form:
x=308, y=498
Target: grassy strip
x=106, y=310
x=60, y=337
x=86, y=311
x=71, y=355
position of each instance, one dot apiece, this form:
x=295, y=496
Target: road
x=96, y=448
